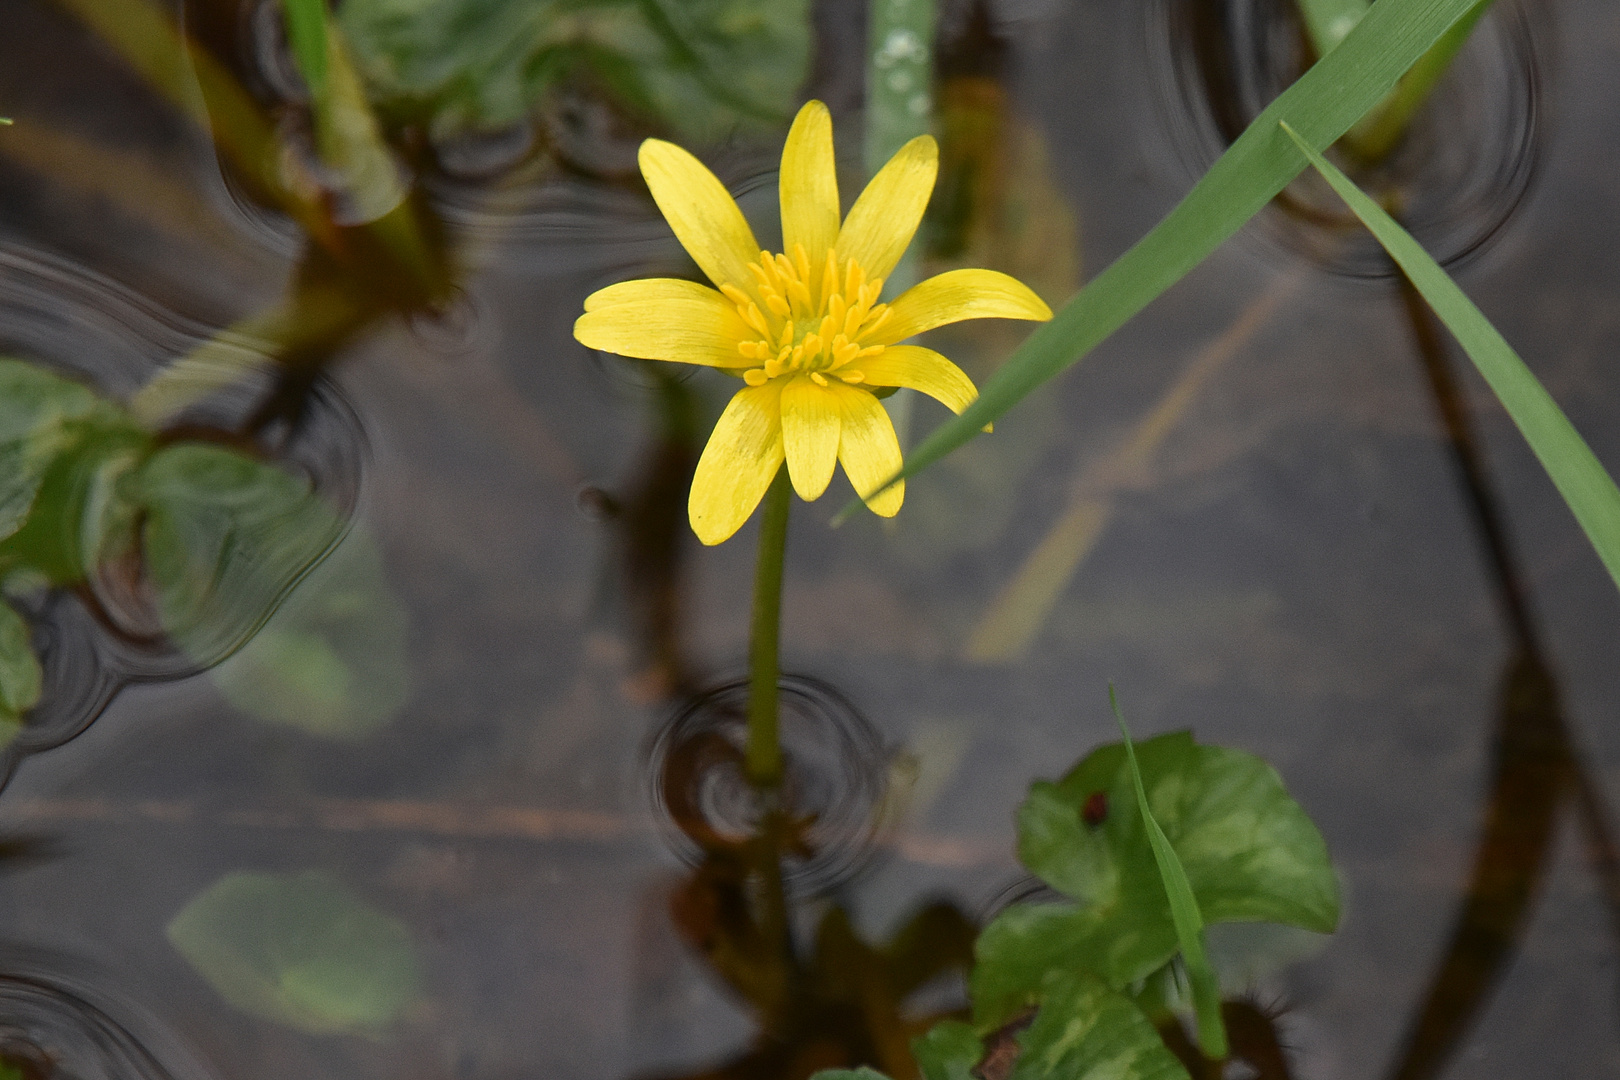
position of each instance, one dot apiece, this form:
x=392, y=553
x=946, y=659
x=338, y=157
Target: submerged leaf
x=20, y=675
x=226, y=537
x=77, y=513
x=21, y=679
x=41, y=415
x=299, y=949
x=332, y=659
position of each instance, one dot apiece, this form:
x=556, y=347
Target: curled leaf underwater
x=803, y=330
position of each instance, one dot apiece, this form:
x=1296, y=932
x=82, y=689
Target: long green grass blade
x=306, y=33
x=1579, y=476
x=1183, y=909
x=1322, y=105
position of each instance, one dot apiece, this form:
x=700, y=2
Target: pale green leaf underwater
x=300, y=949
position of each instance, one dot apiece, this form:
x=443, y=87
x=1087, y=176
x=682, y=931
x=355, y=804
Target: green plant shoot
x=1189, y=922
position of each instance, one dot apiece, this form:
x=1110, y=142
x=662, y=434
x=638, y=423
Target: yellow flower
x=804, y=330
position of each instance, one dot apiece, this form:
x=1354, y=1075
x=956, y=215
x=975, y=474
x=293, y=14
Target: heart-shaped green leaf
x=1249, y=852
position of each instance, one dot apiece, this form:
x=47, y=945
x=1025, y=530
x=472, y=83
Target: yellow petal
x=695, y=328
x=641, y=290
x=811, y=419
x=868, y=448
x=738, y=464
x=809, y=186
x=921, y=369
x=884, y=218
x=702, y=213
x=954, y=296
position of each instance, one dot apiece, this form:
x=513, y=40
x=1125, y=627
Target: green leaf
x=1249, y=851
x=1579, y=476
x=1087, y=1031
x=21, y=680
x=865, y=1072
x=1189, y=921
x=301, y=950
x=226, y=537
x=1322, y=105
x=42, y=414
x=948, y=1051
x=77, y=510
x=1121, y=944
x=332, y=659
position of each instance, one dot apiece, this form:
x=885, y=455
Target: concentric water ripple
x=56, y=1026
x=836, y=774
x=1457, y=177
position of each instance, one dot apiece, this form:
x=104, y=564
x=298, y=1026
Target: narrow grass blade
x=1323, y=104
x=1183, y=910
x=1579, y=476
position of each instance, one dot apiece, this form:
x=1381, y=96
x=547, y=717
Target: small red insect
x=1095, y=812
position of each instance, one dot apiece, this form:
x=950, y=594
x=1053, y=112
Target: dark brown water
x=1273, y=509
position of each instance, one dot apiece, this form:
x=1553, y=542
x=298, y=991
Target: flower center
x=810, y=323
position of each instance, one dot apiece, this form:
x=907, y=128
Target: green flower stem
x=764, y=755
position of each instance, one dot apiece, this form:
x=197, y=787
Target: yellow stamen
x=802, y=260
x=756, y=319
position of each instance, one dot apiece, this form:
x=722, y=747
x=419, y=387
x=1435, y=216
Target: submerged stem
x=764, y=754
